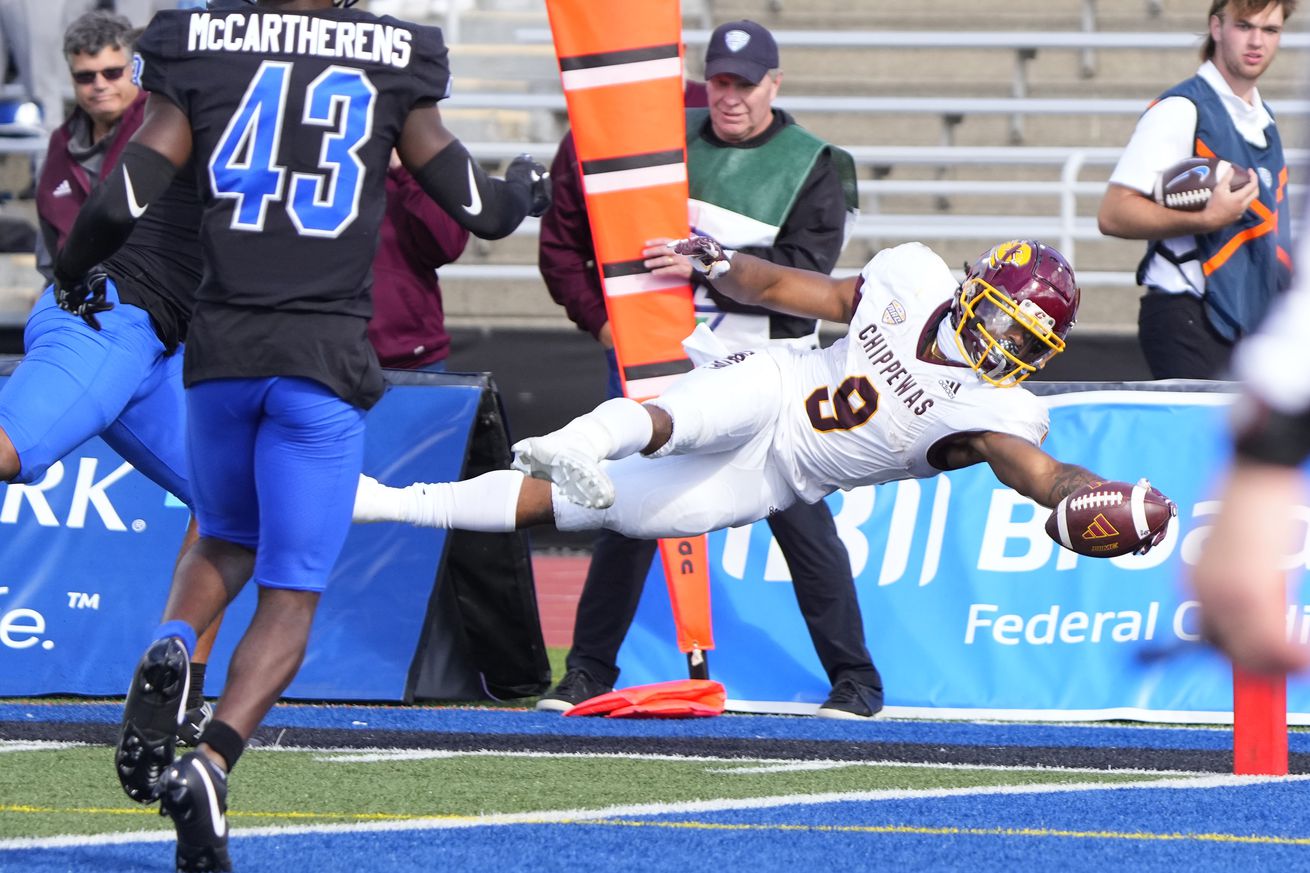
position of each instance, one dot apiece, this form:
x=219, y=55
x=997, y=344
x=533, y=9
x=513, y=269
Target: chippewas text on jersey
x=897, y=377
x=289, y=34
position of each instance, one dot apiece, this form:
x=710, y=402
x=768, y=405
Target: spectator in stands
x=1209, y=275
x=98, y=48
x=418, y=236
x=1241, y=575
x=797, y=220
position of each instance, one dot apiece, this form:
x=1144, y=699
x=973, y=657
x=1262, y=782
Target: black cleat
x=194, y=722
x=576, y=686
x=151, y=716
x=193, y=793
x=850, y=700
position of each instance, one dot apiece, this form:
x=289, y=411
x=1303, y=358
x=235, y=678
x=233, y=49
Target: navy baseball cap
x=741, y=48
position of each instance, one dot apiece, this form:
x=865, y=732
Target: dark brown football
x=1187, y=185
x=1109, y=518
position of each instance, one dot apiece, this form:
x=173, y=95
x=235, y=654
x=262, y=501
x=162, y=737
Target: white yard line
x=761, y=765
x=36, y=745
x=643, y=809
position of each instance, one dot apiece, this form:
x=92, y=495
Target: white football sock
x=487, y=503
x=617, y=428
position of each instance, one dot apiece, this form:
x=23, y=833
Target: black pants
x=1177, y=339
x=821, y=576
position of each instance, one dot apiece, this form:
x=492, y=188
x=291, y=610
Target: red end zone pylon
x=621, y=72
x=1259, y=723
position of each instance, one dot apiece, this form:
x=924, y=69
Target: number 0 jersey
x=293, y=117
x=869, y=408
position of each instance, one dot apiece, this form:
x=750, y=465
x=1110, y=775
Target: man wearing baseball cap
x=762, y=184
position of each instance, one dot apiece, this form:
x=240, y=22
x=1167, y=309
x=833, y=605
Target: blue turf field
x=1185, y=822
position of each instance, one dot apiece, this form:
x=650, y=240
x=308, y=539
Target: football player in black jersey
x=112, y=368
x=289, y=111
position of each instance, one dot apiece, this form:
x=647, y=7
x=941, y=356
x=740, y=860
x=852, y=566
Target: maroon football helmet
x=1014, y=309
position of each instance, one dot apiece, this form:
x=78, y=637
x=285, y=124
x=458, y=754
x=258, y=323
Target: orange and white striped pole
x=622, y=80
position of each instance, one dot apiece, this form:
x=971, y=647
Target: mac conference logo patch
x=894, y=313
x=736, y=40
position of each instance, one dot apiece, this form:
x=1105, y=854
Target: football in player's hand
x=1111, y=518
x=1187, y=185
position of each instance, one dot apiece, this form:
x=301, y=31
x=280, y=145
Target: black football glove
x=84, y=298
x=525, y=171
x=707, y=255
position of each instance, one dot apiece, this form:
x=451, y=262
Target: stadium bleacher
x=1011, y=127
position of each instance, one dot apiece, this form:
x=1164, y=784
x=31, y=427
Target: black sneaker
x=194, y=722
x=154, y=707
x=193, y=793
x=575, y=687
x=851, y=700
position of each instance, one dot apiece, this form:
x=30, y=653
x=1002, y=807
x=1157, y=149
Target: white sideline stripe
x=644, y=809
x=642, y=177
x=1200, y=718
x=767, y=764
x=36, y=745
x=621, y=74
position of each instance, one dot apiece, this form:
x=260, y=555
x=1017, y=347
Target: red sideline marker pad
x=681, y=698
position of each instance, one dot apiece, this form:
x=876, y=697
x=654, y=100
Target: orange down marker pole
x=1259, y=724
x=622, y=80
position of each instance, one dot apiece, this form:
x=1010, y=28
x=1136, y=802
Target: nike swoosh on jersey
x=133, y=206
x=474, y=206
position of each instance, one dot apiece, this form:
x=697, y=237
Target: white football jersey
x=868, y=408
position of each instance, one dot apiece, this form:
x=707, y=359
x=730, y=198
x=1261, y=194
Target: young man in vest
x=1209, y=275
x=798, y=219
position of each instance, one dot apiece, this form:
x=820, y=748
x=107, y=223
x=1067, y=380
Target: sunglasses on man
x=86, y=77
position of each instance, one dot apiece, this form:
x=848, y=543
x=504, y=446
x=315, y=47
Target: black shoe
x=194, y=722
x=150, y=718
x=575, y=687
x=851, y=700
x=193, y=793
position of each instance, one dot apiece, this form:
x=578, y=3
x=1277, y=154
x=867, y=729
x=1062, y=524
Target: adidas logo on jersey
x=63, y=189
x=949, y=387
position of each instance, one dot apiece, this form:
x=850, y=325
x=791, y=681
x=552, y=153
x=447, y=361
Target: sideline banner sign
x=87, y=554
x=969, y=606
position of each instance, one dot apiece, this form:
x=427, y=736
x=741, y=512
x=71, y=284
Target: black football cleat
x=154, y=708
x=194, y=722
x=193, y=793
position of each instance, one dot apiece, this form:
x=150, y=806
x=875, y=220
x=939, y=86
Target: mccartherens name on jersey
x=894, y=374
x=300, y=35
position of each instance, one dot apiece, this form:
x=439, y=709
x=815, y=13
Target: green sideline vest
x=742, y=197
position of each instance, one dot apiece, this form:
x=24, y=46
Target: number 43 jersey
x=293, y=118
x=869, y=408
